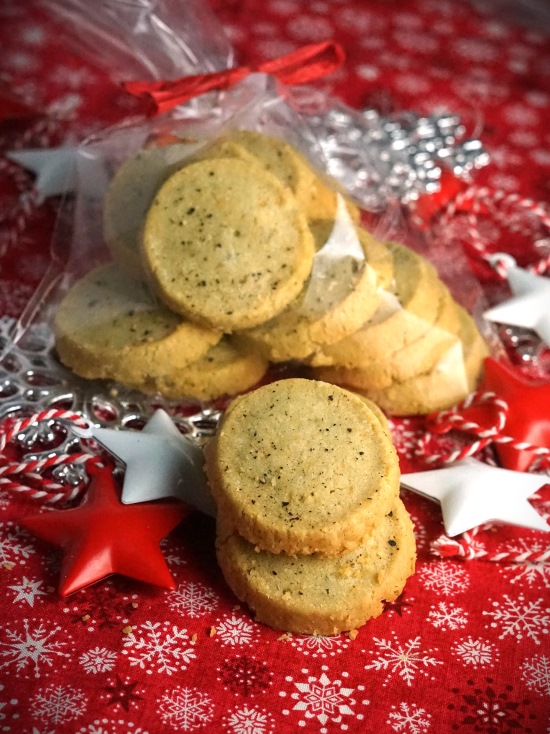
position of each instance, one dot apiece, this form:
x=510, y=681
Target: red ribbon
x=298, y=67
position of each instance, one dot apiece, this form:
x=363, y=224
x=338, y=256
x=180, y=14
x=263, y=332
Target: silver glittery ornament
x=380, y=159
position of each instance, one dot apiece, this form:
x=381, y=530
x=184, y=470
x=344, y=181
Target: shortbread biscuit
x=331, y=309
x=226, y=245
x=292, y=169
x=109, y=326
x=401, y=319
x=226, y=369
x=313, y=595
x=334, y=303
x=129, y=196
x=441, y=388
x=301, y=466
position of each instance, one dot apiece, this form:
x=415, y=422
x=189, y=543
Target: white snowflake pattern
x=447, y=616
x=476, y=49
x=541, y=157
x=28, y=647
x=3, y=715
x=534, y=575
x=521, y=114
x=162, y=646
x=412, y=84
x=319, y=646
x=325, y=700
x=536, y=673
x=250, y=720
x=406, y=660
x=520, y=618
x=235, y=631
x=525, y=138
x=308, y=28
x=71, y=78
x=186, y=708
x=505, y=181
x=367, y=71
x=171, y=558
x=28, y=591
x=444, y=577
x=5, y=500
x=107, y=726
x=20, y=61
x=409, y=718
x=13, y=542
x=413, y=40
x=475, y=652
x=98, y=660
x=58, y=704
x=359, y=19
x=193, y=599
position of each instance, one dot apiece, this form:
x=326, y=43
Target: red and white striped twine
x=478, y=199
x=25, y=477
x=464, y=549
x=452, y=419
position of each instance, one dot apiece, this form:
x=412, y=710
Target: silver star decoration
x=472, y=493
x=160, y=462
x=530, y=305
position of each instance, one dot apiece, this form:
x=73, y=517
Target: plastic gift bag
x=208, y=247
x=152, y=39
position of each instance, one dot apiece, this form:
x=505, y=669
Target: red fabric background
x=466, y=647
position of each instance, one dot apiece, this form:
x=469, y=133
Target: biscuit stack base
x=311, y=533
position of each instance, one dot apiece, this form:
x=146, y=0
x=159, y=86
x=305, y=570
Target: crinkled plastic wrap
x=208, y=247
x=150, y=39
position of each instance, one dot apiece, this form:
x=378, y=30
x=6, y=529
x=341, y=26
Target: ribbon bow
x=298, y=67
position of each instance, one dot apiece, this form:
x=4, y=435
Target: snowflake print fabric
x=465, y=649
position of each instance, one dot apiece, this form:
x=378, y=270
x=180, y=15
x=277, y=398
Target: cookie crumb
x=352, y=634
x=285, y=637
x=85, y=617
x=212, y=631
x=127, y=630
x=194, y=637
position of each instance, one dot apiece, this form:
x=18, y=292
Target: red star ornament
x=528, y=418
x=103, y=536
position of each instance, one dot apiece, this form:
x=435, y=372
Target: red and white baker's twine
x=453, y=420
x=465, y=549
x=476, y=200
x=25, y=477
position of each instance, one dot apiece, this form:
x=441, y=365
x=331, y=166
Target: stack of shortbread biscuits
x=311, y=532
x=236, y=255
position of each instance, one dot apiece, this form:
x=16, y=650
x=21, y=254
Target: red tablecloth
x=465, y=648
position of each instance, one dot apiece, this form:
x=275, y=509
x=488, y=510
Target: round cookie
x=318, y=596
x=338, y=304
x=225, y=369
x=401, y=319
x=226, y=245
x=441, y=388
x=292, y=169
x=301, y=466
x=109, y=326
x=348, y=294
x=129, y=196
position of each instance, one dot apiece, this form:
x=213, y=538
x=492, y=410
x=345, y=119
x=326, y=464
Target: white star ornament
x=59, y=170
x=472, y=493
x=530, y=306
x=160, y=462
